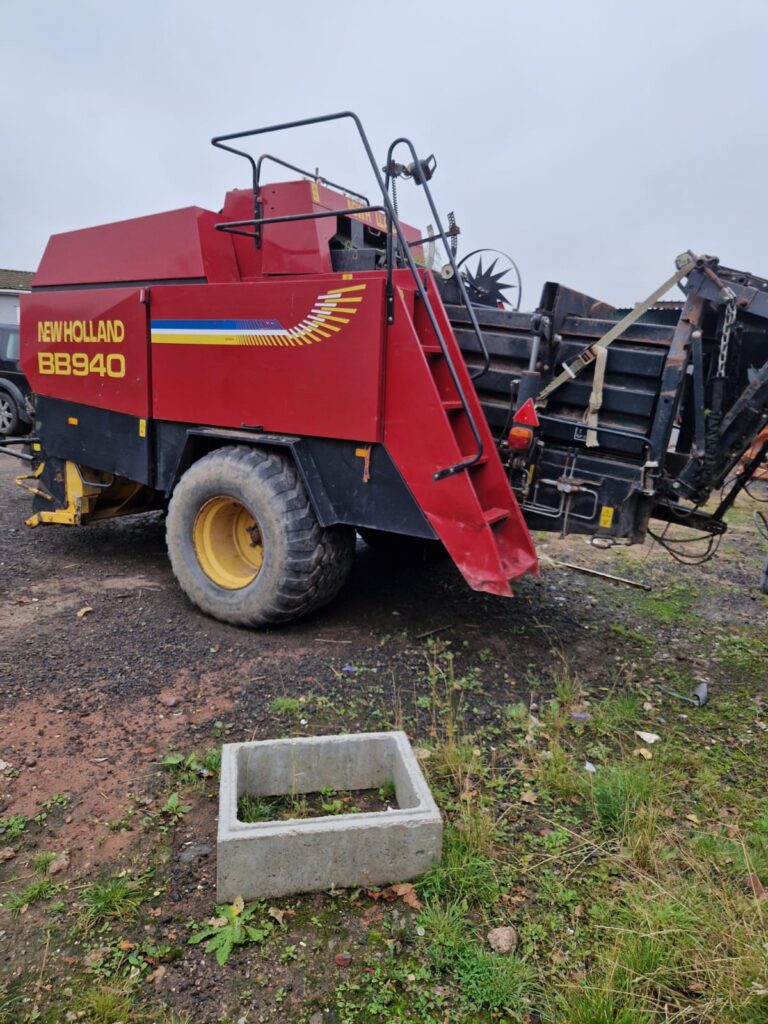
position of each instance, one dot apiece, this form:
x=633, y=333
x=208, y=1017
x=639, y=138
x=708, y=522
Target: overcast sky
x=594, y=140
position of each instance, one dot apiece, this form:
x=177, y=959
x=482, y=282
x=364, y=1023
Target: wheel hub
x=228, y=543
x=6, y=415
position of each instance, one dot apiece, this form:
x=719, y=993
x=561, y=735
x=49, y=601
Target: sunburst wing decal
x=328, y=316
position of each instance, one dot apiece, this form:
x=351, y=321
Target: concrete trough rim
x=283, y=857
x=229, y=822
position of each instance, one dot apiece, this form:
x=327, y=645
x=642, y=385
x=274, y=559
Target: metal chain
x=728, y=321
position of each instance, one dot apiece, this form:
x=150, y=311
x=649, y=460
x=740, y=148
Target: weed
x=173, y=810
x=393, y=991
x=387, y=793
x=616, y=713
x=287, y=707
x=567, y=687
x=672, y=603
x=42, y=861
x=493, y=981
x=188, y=768
x=231, y=927
x=54, y=802
x=617, y=792
x=745, y=653
x=252, y=808
x=633, y=636
x=105, y=1004
x=36, y=892
x=12, y=828
x=596, y=1006
x=517, y=717
x=444, y=925
x=462, y=875
x=559, y=774
x=118, y=898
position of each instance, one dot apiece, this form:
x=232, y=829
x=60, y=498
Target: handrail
x=307, y=174
x=421, y=180
x=393, y=221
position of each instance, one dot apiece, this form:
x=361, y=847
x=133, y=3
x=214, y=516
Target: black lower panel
x=378, y=499
x=345, y=483
x=99, y=438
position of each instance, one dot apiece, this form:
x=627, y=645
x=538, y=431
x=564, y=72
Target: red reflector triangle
x=526, y=415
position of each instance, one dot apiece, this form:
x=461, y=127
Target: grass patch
x=36, y=892
x=618, y=793
x=672, y=603
x=464, y=875
x=116, y=899
x=493, y=981
x=746, y=653
x=286, y=707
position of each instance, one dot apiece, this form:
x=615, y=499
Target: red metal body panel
x=89, y=346
x=298, y=247
x=163, y=247
x=269, y=337
x=307, y=364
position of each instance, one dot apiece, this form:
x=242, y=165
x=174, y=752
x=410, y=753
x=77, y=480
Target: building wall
x=9, y=309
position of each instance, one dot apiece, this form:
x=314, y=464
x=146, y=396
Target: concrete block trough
x=278, y=858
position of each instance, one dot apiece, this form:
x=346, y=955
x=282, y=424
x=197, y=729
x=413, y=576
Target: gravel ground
x=90, y=703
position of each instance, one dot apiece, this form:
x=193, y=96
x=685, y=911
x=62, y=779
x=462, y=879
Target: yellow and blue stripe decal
x=330, y=312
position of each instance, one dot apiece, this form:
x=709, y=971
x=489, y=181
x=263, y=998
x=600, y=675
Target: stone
x=279, y=858
x=198, y=851
x=59, y=863
x=502, y=940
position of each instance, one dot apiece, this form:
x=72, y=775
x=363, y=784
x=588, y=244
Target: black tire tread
x=318, y=559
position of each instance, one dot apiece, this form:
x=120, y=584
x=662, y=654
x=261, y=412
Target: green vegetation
x=117, y=899
x=747, y=653
x=671, y=603
x=11, y=828
x=36, y=892
x=619, y=835
x=190, y=767
x=286, y=707
x=232, y=926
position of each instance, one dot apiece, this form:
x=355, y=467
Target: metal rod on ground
x=605, y=575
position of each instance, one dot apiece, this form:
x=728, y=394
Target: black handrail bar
x=418, y=172
x=307, y=174
x=392, y=221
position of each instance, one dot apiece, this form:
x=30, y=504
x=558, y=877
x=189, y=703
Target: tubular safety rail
x=393, y=222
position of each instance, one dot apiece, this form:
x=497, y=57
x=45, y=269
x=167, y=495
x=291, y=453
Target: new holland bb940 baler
x=291, y=370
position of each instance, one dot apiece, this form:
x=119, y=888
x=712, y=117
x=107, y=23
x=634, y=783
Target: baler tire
x=303, y=566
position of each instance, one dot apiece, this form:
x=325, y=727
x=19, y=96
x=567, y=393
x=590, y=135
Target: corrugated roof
x=15, y=280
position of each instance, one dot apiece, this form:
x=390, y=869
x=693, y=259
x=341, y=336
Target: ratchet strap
x=595, y=353
x=596, y=397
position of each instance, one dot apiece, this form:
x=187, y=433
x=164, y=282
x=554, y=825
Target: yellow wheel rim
x=228, y=543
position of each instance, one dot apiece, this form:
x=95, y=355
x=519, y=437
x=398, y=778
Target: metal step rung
x=495, y=515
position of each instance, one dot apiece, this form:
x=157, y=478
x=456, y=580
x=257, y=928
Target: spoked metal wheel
x=9, y=414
